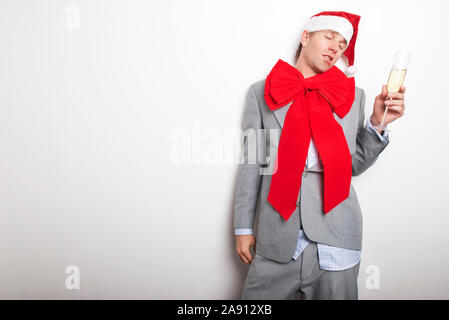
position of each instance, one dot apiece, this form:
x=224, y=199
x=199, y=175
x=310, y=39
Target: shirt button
x=304, y=174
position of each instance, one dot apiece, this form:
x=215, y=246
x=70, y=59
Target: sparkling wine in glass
x=396, y=78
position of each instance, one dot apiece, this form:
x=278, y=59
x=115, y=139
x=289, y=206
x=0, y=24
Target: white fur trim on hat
x=334, y=23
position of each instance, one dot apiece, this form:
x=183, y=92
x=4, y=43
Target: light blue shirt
x=330, y=258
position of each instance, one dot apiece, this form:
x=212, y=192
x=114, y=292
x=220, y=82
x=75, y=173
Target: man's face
x=322, y=49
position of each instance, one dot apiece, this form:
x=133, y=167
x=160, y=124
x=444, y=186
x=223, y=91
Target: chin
x=321, y=69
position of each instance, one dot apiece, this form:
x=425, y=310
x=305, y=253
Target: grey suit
x=277, y=238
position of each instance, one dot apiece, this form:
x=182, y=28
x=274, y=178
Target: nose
x=334, y=48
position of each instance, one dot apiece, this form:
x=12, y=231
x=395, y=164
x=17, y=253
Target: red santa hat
x=346, y=24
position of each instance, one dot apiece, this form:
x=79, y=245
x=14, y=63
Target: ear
x=305, y=38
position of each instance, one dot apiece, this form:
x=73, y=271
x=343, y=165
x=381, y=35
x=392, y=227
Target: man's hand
x=395, y=103
x=243, y=243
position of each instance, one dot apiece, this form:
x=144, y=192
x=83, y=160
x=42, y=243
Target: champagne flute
x=396, y=78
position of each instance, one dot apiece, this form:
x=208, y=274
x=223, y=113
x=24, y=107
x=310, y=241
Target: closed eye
x=341, y=48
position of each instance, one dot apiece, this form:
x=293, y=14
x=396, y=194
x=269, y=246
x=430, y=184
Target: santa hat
x=346, y=24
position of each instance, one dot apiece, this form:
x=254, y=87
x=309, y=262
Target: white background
x=93, y=94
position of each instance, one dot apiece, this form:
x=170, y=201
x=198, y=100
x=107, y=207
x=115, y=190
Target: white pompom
x=351, y=70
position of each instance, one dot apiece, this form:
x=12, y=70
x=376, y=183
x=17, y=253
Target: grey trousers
x=271, y=280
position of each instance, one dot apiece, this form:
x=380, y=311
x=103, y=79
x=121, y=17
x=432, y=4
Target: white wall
x=97, y=98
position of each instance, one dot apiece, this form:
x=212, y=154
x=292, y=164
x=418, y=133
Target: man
x=310, y=244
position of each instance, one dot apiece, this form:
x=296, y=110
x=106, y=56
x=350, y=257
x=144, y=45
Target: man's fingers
x=243, y=258
x=394, y=102
x=395, y=95
x=398, y=109
x=248, y=256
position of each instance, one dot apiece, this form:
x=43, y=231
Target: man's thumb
x=384, y=92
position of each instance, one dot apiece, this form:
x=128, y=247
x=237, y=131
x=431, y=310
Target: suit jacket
x=276, y=238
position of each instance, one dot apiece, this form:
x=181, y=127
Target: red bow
x=310, y=114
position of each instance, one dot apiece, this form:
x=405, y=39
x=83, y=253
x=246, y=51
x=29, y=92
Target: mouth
x=328, y=58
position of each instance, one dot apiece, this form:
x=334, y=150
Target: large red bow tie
x=310, y=115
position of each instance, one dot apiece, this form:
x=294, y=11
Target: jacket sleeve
x=369, y=146
x=249, y=176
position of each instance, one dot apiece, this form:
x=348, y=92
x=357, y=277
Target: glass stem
x=385, y=115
